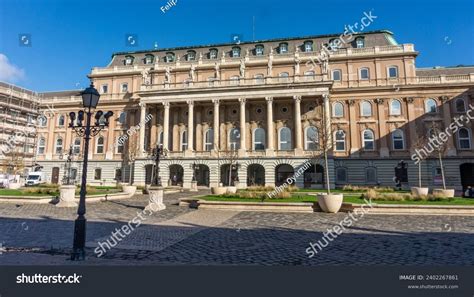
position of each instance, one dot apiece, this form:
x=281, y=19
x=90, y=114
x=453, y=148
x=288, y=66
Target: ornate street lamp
x=90, y=100
x=157, y=153
x=67, y=179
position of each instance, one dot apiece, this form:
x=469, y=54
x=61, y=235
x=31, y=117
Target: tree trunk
x=326, y=168
x=419, y=174
x=442, y=169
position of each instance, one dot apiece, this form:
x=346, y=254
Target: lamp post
x=157, y=153
x=67, y=168
x=90, y=100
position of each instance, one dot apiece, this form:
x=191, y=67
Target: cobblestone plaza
x=42, y=235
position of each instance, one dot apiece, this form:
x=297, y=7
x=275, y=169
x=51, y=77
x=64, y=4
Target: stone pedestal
x=194, y=186
x=127, y=189
x=67, y=195
x=156, y=201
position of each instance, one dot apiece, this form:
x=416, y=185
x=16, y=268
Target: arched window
x=308, y=46
x=61, y=121
x=59, y=146
x=41, y=146
x=364, y=73
x=258, y=139
x=100, y=145
x=124, y=87
x=398, y=139
x=464, y=138
x=366, y=109
x=395, y=107
x=460, y=105
x=235, y=52
x=360, y=42
x=43, y=120
x=169, y=58
x=285, y=139
x=341, y=175
x=209, y=139
x=283, y=48
x=184, y=140
x=213, y=52
x=371, y=175
x=259, y=50
x=123, y=118
x=76, y=147
x=392, y=72
x=128, y=60
x=284, y=76
x=311, y=138
x=149, y=59
x=120, y=147
x=430, y=106
x=338, y=110
x=234, y=139
x=336, y=75
x=340, y=140
x=368, y=138
x=191, y=55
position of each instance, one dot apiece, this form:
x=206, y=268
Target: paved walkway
x=42, y=234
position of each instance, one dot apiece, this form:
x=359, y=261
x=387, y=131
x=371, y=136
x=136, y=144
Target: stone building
x=253, y=112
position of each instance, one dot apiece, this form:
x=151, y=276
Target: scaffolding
x=19, y=109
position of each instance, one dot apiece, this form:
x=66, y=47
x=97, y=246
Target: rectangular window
x=392, y=72
x=124, y=88
x=364, y=73
x=105, y=89
x=336, y=75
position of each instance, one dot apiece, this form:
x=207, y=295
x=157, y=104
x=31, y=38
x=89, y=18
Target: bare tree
x=439, y=149
x=132, y=152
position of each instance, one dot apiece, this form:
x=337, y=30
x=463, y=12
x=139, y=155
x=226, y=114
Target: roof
x=66, y=93
x=448, y=70
x=248, y=42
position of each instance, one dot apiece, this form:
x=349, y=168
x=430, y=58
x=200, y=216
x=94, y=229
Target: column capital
x=269, y=99
x=242, y=100
x=190, y=102
x=166, y=104
x=142, y=105
x=325, y=95
x=351, y=102
x=409, y=99
x=216, y=101
x=443, y=99
x=379, y=100
x=297, y=98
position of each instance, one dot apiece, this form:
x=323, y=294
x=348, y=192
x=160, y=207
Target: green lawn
x=355, y=198
x=22, y=192
x=10, y=192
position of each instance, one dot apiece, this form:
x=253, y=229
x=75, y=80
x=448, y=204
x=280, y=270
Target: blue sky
x=68, y=38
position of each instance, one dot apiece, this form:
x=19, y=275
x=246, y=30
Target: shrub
x=371, y=194
x=260, y=189
x=352, y=188
x=291, y=189
x=283, y=195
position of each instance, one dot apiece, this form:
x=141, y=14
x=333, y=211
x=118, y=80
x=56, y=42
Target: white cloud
x=9, y=72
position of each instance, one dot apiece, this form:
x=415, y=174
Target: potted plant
x=327, y=201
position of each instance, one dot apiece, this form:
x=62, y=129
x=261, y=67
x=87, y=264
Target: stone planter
x=67, y=194
x=146, y=189
x=218, y=190
x=127, y=189
x=194, y=186
x=155, y=202
x=330, y=202
x=231, y=190
x=448, y=193
x=417, y=191
x=14, y=186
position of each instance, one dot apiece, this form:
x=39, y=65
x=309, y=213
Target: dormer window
x=128, y=60
x=235, y=52
x=334, y=44
x=308, y=46
x=149, y=59
x=169, y=57
x=283, y=48
x=360, y=42
x=259, y=50
x=213, y=53
x=191, y=56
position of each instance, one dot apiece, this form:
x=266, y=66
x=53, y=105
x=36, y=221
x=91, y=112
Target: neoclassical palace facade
x=258, y=108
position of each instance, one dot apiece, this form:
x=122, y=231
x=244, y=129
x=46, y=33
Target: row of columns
x=243, y=134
